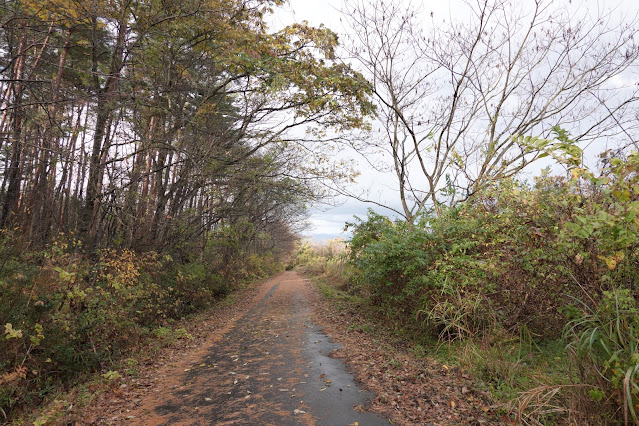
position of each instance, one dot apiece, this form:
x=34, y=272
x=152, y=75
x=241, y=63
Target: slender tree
x=456, y=99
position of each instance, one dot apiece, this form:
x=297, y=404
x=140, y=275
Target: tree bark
x=13, y=177
x=105, y=108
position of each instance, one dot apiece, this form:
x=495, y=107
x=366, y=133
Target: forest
x=149, y=165
x=158, y=155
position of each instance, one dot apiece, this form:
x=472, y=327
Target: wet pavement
x=272, y=367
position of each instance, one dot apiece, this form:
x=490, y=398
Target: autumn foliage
x=530, y=263
x=149, y=166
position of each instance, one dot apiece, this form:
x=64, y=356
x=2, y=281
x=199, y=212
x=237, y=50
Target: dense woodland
x=148, y=124
x=150, y=160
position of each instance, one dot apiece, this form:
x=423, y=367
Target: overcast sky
x=327, y=223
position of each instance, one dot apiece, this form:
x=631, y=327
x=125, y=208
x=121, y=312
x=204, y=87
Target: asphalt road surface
x=271, y=367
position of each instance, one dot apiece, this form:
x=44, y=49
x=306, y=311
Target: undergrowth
x=65, y=314
x=534, y=288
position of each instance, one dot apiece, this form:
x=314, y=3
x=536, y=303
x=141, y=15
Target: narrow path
x=271, y=367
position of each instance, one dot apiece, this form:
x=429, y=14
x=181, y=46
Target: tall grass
x=604, y=345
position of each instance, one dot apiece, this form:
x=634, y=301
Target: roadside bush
x=517, y=254
x=63, y=314
x=492, y=258
x=394, y=263
x=604, y=334
x=556, y=258
x=326, y=261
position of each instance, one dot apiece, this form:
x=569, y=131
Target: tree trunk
x=43, y=209
x=105, y=109
x=13, y=177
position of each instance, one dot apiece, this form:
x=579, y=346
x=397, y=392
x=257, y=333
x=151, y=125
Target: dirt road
x=271, y=366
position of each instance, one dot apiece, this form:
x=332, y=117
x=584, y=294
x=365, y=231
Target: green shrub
x=495, y=251
x=516, y=259
x=519, y=253
x=169, y=334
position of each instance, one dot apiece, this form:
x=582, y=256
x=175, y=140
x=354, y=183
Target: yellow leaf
x=611, y=262
x=452, y=404
x=11, y=333
x=575, y=173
